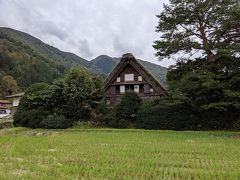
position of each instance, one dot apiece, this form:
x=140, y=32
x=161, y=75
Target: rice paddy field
x=118, y=154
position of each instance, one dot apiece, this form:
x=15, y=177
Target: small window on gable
x=118, y=79
x=151, y=90
x=139, y=78
x=129, y=77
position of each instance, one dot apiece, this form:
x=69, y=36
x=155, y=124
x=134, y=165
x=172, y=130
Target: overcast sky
x=88, y=28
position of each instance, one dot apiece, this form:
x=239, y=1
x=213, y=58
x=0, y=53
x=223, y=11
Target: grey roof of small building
x=15, y=95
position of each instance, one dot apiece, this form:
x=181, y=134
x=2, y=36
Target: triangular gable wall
x=129, y=59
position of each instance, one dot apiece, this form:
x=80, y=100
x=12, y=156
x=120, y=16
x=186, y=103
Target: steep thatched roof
x=130, y=59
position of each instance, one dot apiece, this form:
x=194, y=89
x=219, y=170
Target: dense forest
x=25, y=65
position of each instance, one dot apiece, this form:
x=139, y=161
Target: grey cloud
x=127, y=46
x=36, y=21
x=52, y=29
x=88, y=28
x=84, y=48
x=119, y=46
x=71, y=42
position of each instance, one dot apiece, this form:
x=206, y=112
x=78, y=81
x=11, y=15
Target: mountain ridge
x=44, y=63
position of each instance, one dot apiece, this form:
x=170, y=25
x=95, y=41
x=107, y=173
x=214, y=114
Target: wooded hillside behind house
x=28, y=60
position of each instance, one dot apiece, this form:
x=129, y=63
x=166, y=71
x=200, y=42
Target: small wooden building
x=15, y=98
x=129, y=74
x=5, y=108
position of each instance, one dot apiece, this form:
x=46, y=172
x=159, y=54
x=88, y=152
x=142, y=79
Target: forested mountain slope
x=29, y=60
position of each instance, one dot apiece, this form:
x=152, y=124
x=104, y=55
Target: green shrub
x=75, y=97
x=108, y=119
x=105, y=115
x=32, y=108
x=170, y=116
x=29, y=118
x=126, y=110
x=217, y=119
x=55, y=121
x=236, y=125
x=84, y=125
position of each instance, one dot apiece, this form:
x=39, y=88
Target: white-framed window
x=140, y=78
x=16, y=102
x=136, y=88
x=151, y=90
x=129, y=77
x=118, y=79
x=122, y=89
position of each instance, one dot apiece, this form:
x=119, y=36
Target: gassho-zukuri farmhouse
x=129, y=74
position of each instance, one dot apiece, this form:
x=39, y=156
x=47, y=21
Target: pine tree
x=211, y=27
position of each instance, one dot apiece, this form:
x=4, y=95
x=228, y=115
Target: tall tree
x=211, y=89
x=9, y=85
x=211, y=27
x=78, y=93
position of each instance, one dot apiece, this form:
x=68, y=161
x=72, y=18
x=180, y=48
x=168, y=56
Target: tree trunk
x=212, y=57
